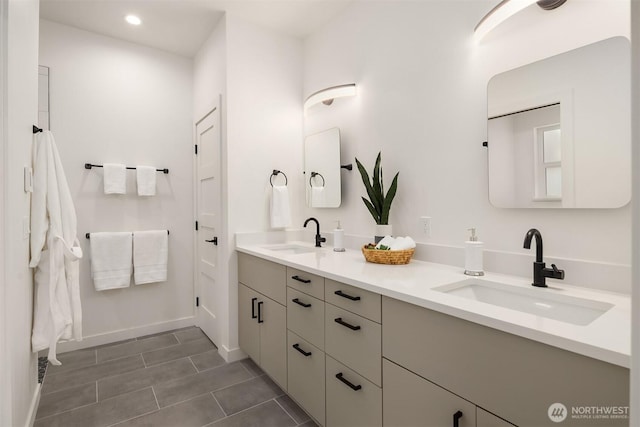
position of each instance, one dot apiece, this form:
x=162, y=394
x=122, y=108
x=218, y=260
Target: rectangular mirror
x=322, y=169
x=559, y=130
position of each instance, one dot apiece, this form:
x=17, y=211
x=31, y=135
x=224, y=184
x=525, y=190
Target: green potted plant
x=379, y=203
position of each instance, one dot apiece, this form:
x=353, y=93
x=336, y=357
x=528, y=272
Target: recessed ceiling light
x=133, y=20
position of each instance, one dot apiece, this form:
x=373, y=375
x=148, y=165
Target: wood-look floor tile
x=67, y=399
x=136, y=347
x=178, y=351
x=247, y=394
x=293, y=409
x=207, y=360
x=268, y=414
x=72, y=360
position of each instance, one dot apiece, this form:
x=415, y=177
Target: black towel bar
x=89, y=166
x=88, y=235
x=275, y=173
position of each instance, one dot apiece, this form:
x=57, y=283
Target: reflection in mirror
x=322, y=169
x=559, y=130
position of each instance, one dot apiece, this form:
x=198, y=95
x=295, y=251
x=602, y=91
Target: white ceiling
x=181, y=26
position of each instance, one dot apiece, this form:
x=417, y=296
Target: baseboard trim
x=231, y=355
x=123, y=334
x=33, y=408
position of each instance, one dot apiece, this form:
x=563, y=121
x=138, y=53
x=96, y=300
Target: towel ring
x=313, y=175
x=275, y=173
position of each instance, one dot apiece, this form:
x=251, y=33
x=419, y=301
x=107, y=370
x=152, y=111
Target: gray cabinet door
x=248, y=327
x=273, y=341
x=409, y=400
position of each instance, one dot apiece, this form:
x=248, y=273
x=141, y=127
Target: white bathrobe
x=55, y=252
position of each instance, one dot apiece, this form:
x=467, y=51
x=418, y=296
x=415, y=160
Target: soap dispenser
x=338, y=238
x=473, y=255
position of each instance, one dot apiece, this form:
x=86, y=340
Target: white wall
x=422, y=100
x=18, y=370
x=262, y=131
x=114, y=101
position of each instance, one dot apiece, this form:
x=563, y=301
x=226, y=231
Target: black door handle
x=300, y=279
x=260, y=320
x=253, y=308
x=343, y=295
x=305, y=353
x=456, y=418
x=343, y=323
x=347, y=382
x=214, y=241
x=297, y=301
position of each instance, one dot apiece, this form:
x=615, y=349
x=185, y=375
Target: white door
x=209, y=222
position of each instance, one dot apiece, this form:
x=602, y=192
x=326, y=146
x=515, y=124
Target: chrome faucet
x=319, y=238
x=540, y=273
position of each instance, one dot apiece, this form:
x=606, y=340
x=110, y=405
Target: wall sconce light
x=506, y=9
x=326, y=96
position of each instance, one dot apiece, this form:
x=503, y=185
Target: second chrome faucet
x=540, y=273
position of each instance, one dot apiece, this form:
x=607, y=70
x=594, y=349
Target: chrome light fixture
x=506, y=9
x=326, y=96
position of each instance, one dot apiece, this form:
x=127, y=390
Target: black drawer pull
x=297, y=301
x=300, y=279
x=347, y=382
x=343, y=323
x=347, y=296
x=305, y=353
x=456, y=418
x=253, y=308
x=260, y=320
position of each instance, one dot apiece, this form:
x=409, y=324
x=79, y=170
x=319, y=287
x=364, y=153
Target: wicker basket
x=387, y=257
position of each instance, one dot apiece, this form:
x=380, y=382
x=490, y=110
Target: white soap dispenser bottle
x=338, y=239
x=473, y=255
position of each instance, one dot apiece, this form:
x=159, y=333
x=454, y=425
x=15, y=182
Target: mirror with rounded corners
x=322, y=169
x=559, y=130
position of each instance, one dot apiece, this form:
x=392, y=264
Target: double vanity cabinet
x=352, y=357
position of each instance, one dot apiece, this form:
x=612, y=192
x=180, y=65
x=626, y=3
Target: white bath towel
x=318, y=197
x=146, y=177
x=403, y=243
x=150, y=256
x=115, y=178
x=280, y=209
x=111, y=260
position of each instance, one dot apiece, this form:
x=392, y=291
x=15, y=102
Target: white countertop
x=607, y=338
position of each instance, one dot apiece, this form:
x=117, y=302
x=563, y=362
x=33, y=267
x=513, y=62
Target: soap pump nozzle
x=473, y=237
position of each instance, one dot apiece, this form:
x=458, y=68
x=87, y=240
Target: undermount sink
x=544, y=303
x=289, y=249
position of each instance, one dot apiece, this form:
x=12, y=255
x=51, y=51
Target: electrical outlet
x=425, y=221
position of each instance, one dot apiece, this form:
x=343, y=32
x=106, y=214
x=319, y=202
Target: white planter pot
x=383, y=230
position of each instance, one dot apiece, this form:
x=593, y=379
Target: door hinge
x=196, y=149
x=196, y=225
x=197, y=301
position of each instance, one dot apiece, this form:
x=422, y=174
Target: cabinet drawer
x=354, y=341
x=305, y=317
x=352, y=400
x=306, y=282
x=266, y=277
x=306, y=376
x=410, y=401
x=508, y=375
x=356, y=300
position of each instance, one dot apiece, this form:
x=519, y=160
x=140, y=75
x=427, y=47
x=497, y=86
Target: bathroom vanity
x=358, y=344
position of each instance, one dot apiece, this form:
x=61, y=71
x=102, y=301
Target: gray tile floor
x=173, y=379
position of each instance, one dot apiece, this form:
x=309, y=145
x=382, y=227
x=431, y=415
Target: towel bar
x=89, y=166
x=88, y=235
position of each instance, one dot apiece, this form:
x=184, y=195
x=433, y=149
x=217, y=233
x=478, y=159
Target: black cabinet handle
x=347, y=296
x=456, y=419
x=297, y=301
x=343, y=323
x=305, y=353
x=347, y=382
x=260, y=311
x=214, y=241
x=253, y=308
x=300, y=279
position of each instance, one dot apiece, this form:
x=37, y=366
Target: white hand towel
x=115, y=178
x=318, y=197
x=403, y=243
x=150, y=256
x=386, y=241
x=280, y=209
x=111, y=260
x=146, y=177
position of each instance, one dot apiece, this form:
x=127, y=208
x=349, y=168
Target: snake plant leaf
x=372, y=210
x=386, y=208
x=377, y=184
x=376, y=199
